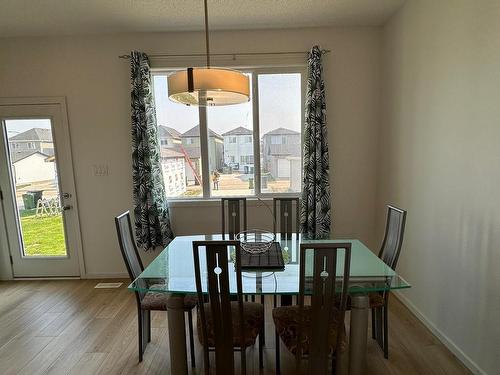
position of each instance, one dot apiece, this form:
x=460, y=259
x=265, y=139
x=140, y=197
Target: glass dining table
x=172, y=272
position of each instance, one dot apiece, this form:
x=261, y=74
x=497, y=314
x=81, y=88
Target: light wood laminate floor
x=68, y=327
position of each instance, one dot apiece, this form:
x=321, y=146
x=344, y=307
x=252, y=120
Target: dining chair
x=236, y=219
x=224, y=325
x=236, y=222
x=284, y=218
x=147, y=301
x=317, y=330
x=389, y=253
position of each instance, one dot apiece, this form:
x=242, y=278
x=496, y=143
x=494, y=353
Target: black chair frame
x=217, y=261
x=234, y=216
x=380, y=316
x=144, y=316
x=283, y=210
x=323, y=296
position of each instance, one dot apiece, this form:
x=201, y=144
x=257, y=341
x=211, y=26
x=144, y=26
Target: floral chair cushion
x=158, y=301
x=376, y=300
x=253, y=315
x=286, y=320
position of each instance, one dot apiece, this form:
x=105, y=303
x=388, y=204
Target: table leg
x=359, y=331
x=177, y=334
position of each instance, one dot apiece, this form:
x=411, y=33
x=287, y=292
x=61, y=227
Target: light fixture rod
x=167, y=55
x=207, y=39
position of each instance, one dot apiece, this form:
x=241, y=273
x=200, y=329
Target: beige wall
x=440, y=159
x=96, y=84
x=437, y=142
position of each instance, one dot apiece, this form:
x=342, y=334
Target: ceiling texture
x=74, y=17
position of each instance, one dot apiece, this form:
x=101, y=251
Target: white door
x=37, y=190
x=283, y=168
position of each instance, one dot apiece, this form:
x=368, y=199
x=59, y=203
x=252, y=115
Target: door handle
x=66, y=207
x=66, y=195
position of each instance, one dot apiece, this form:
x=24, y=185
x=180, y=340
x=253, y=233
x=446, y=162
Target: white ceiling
x=70, y=17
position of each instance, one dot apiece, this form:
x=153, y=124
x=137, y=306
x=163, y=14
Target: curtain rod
x=323, y=51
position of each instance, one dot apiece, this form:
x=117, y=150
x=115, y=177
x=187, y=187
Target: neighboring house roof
x=240, y=130
x=34, y=134
x=169, y=153
x=281, y=131
x=166, y=131
x=18, y=156
x=176, y=151
x=193, y=152
x=195, y=132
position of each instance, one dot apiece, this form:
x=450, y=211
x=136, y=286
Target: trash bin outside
x=264, y=178
x=37, y=195
x=29, y=201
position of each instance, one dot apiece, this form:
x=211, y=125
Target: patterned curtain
x=152, y=220
x=315, y=206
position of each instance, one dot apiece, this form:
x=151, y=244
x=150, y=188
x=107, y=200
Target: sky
x=18, y=126
x=279, y=101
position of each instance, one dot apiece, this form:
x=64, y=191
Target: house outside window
x=34, y=139
x=223, y=141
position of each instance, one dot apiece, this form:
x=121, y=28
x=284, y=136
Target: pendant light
x=208, y=86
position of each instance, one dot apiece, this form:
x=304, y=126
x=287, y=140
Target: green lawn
x=43, y=235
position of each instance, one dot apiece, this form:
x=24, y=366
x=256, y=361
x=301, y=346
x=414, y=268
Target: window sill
x=213, y=202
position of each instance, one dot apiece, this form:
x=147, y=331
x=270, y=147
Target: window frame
x=256, y=138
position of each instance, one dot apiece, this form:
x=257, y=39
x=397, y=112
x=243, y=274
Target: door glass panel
x=36, y=188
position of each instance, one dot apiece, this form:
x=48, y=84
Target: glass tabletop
x=172, y=271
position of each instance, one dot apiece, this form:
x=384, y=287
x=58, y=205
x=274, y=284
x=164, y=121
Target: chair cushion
x=253, y=315
x=158, y=301
x=286, y=320
x=376, y=300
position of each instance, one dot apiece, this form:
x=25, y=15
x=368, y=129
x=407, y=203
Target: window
x=225, y=146
x=246, y=159
x=178, y=125
x=280, y=121
x=232, y=122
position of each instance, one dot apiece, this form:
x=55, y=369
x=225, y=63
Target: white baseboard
x=469, y=363
x=107, y=275
x=43, y=278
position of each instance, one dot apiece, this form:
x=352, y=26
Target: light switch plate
x=100, y=170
